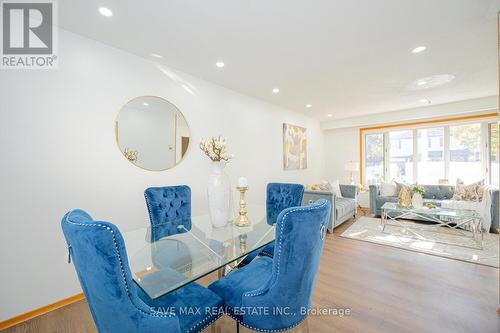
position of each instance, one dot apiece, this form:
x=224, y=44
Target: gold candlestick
x=242, y=219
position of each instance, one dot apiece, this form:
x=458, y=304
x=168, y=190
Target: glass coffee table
x=466, y=223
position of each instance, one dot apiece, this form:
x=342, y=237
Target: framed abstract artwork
x=294, y=147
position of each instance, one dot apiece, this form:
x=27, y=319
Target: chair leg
x=220, y=272
x=223, y=271
x=302, y=328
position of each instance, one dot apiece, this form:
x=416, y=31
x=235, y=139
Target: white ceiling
x=345, y=57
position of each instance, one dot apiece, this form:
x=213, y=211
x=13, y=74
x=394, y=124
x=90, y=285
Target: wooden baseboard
x=40, y=311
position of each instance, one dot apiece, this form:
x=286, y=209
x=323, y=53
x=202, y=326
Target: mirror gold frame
x=180, y=139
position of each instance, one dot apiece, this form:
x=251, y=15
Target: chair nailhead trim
x=201, y=322
x=280, y=243
x=120, y=260
x=262, y=329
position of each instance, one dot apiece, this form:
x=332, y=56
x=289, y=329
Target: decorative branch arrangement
x=130, y=154
x=215, y=148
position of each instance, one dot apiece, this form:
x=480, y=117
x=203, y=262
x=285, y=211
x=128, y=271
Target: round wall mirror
x=152, y=133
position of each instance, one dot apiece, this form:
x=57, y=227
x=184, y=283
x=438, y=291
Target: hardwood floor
x=386, y=290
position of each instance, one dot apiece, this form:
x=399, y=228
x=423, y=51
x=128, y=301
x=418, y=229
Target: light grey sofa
x=343, y=208
x=434, y=194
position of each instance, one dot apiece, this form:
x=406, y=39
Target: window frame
x=488, y=151
x=483, y=120
x=363, y=143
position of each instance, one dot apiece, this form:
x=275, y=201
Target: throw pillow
x=404, y=196
x=388, y=189
x=399, y=186
x=336, y=189
x=480, y=191
x=324, y=186
x=471, y=192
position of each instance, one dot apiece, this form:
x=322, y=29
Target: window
x=430, y=167
x=494, y=154
x=465, y=153
x=374, y=158
x=434, y=155
x=401, y=155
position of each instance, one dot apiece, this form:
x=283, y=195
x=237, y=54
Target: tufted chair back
x=281, y=196
x=98, y=253
x=300, y=234
x=169, y=204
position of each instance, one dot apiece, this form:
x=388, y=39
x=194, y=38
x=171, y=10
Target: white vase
x=219, y=191
x=417, y=201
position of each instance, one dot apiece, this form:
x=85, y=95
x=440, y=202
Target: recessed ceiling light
x=421, y=83
x=219, y=64
x=276, y=90
x=308, y=106
x=145, y=104
x=329, y=115
x=425, y=101
x=105, y=11
x=419, y=49
x=156, y=55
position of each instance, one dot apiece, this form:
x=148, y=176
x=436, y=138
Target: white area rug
x=426, y=238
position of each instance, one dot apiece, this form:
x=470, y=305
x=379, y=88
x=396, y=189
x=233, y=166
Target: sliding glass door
x=431, y=166
x=465, y=153
x=433, y=155
x=374, y=158
x=401, y=155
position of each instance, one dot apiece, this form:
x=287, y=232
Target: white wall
x=341, y=146
x=59, y=153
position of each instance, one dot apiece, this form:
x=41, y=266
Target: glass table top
x=438, y=211
x=166, y=257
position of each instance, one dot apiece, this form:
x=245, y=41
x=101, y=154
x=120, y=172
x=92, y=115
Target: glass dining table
x=166, y=257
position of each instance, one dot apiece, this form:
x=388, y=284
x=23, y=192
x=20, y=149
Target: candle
x=242, y=182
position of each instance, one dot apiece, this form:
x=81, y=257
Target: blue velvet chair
x=281, y=287
x=169, y=209
x=169, y=204
x=279, y=196
x=117, y=304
